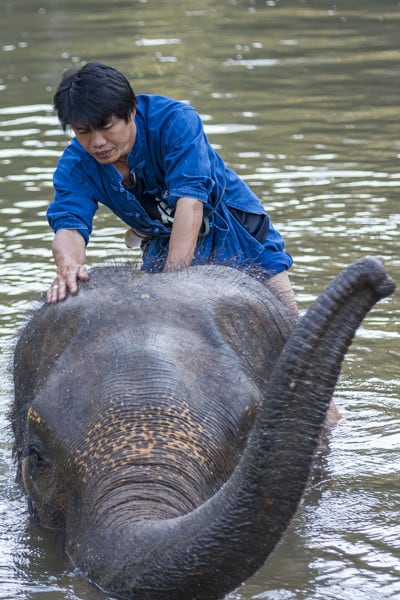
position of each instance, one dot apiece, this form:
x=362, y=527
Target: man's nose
x=98, y=139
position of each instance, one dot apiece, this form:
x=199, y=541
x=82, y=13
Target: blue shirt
x=172, y=158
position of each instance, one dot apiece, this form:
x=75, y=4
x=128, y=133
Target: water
x=301, y=98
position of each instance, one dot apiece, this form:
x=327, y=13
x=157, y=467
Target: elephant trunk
x=210, y=551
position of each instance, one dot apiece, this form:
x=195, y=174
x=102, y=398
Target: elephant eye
x=35, y=456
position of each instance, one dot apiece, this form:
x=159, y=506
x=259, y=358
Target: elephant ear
x=253, y=322
x=38, y=342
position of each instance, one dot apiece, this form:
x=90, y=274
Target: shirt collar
x=135, y=156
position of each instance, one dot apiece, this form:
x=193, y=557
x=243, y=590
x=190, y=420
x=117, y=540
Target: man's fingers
x=57, y=291
x=68, y=280
x=72, y=278
x=83, y=273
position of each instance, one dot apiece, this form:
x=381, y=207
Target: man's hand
x=66, y=280
x=69, y=253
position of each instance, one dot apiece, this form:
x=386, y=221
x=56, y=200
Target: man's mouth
x=103, y=154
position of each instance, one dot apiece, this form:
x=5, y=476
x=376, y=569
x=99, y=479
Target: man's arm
x=188, y=219
x=69, y=254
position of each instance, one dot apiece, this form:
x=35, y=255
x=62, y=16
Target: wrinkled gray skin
x=164, y=427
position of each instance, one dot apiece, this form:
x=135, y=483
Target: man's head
x=91, y=95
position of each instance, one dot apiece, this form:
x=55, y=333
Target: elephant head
x=166, y=423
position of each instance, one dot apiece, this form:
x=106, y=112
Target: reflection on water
x=301, y=98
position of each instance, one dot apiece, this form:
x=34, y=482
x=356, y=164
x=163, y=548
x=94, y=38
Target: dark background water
x=301, y=97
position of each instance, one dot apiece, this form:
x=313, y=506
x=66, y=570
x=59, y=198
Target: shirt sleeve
x=73, y=206
x=186, y=157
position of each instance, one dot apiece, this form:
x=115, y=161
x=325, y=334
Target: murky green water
x=302, y=98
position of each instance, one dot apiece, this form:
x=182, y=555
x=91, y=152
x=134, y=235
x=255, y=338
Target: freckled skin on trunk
x=169, y=428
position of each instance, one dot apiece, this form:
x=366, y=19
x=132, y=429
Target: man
x=148, y=159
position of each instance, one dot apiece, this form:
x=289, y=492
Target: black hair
x=91, y=95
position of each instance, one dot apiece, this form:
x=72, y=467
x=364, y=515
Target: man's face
x=111, y=143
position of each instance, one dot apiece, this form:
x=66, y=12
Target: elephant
x=166, y=423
